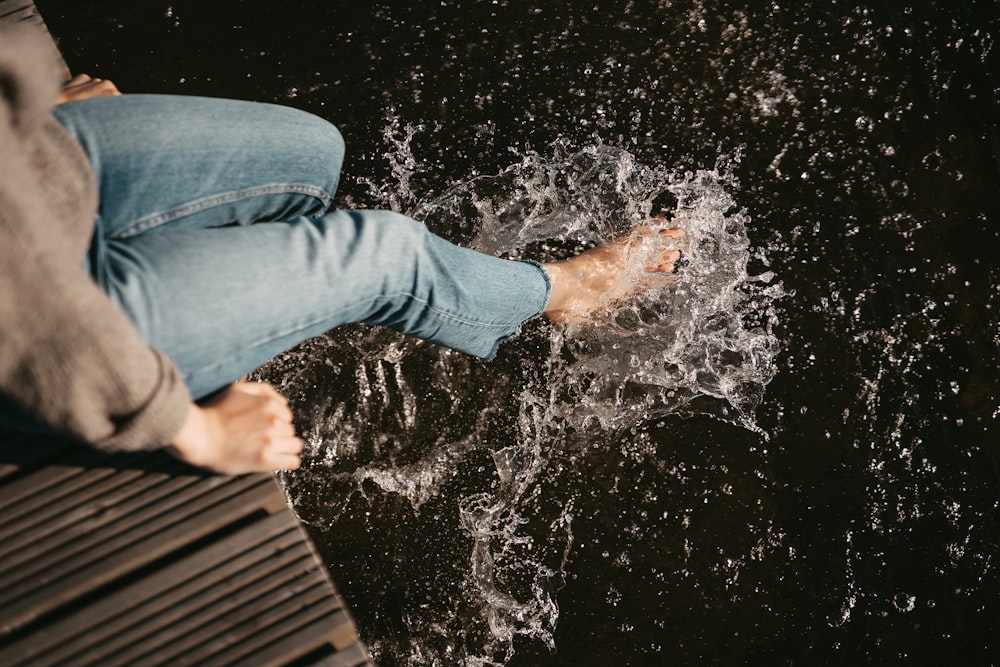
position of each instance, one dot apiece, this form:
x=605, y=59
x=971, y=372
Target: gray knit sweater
x=69, y=358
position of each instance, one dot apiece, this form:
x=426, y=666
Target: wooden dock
x=138, y=559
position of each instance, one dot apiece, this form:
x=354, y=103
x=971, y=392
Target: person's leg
x=222, y=301
x=173, y=162
x=182, y=182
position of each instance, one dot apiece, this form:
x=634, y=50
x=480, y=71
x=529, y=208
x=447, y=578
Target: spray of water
x=402, y=419
x=707, y=332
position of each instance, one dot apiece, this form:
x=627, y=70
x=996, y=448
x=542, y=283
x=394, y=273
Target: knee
x=331, y=143
x=328, y=144
x=315, y=143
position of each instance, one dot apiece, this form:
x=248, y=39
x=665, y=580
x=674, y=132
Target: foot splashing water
x=706, y=331
x=456, y=474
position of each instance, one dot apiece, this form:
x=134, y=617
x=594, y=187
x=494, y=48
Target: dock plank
x=52, y=579
x=139, y=562
x=142, y=602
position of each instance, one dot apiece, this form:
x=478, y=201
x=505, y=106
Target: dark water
x=818, y=485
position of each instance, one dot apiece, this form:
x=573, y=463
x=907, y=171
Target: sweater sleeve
x=69, y=358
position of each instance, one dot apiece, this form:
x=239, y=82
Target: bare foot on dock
x=595, y=281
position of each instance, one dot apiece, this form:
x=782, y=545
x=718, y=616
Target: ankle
x=558, y=292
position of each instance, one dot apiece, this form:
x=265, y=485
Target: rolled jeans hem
x=489, y=356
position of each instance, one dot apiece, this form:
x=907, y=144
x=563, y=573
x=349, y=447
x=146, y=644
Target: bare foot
x=591, y=283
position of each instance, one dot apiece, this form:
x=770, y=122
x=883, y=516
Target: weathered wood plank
x=292, y=646
x=95, y=493
x=279, y=643
x=354, y=655
x=220, y=620
x=34, y=489
x=142, y=602
x=52, y=587
x=104, y=533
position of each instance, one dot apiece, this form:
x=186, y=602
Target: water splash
x=398, y=418
x=706, y=333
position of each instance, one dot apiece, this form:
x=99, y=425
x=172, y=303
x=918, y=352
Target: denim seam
x=150, y=221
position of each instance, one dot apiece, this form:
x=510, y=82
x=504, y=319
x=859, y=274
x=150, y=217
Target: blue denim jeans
x=213, y=235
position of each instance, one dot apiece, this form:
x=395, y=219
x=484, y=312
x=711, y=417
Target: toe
x=665, y=262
